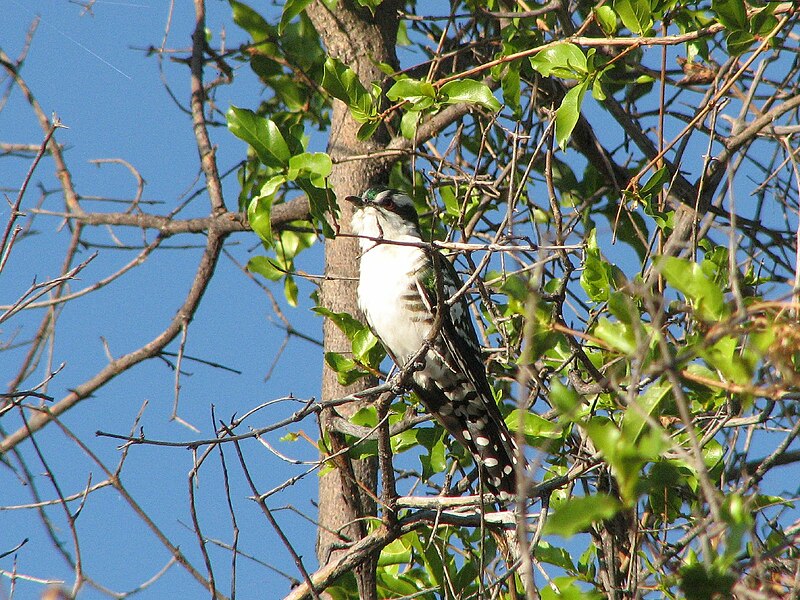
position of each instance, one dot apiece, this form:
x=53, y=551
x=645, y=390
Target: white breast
x=386, y=271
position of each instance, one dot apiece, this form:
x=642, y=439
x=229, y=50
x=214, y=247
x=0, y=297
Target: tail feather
x=479, y=427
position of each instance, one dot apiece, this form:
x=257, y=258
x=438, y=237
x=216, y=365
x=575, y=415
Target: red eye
x=389, y=203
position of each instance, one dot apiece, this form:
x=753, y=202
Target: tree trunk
x=359, y=39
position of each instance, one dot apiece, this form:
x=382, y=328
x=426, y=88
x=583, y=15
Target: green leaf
x=554, y=555
x=665, y=220
x=739, y=42
x=623, y=308
x=412, y=438
x=725, y=356
x=568, y=113
x=349, y=325
x=470, y=92
x=367, y=130
x=578, y=513
x=290, y=437
x=341, y=82
x=634, y=421
x=619, y=336
x=259, y=209
x=259, y=216
x=510, y=84
x=699, y=582
x=567, y=588
x=564, y=60
x=409, y=122
x=598, y=276
x=731, y=13
x=656, y=182
x=266, y=267
x=435, y=459
x=291, y=243
x=736, y=514
x=535, y=428
x=252, y=22
x=763, y=22
x=366, y=416
x=516, y=287
x=420, y=94
x=363, y=342
x=291, y=9
x=338, y=80
x=430, y=558
x=606, y=18
x=347, y=372
x=605, y=435
x=397, y=552
x=321, y=202
x=316, y=166
x=565, y=399
x=688, y=278
x=370, y=4
x=713, y=453
x=597, y=89
x=636, y=15
x=625, y=456
x=290, y=290
x=261, y=134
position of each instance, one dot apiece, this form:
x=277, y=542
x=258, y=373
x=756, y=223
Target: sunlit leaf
x=688, y=278
x=420, y=94
x=470, y=92
x=731, y=13
x=347, y=372
x=261, y=133
x=620, y=336
x=291, y=9
x=249, y=20
x=606, y=18
x=341, y=82
x=290, y=290
x=259, y=216
x=578, y=513
x=636, y=15
x=739, y=42
x=568, y=113
x=363, y=342
x=349, y=325
x=316, y=166
x=264, y=266
x=564, y=60
x=644, y=407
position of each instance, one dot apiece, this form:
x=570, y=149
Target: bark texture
x=360, y=40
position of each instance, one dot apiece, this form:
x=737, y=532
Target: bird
x=407, y=292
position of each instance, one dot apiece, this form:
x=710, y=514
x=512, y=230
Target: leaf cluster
x=636, y=316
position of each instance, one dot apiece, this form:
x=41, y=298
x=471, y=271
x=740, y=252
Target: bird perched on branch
x=412, y=298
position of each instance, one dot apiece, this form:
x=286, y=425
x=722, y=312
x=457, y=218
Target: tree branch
x=117, y=366
x=224, y=223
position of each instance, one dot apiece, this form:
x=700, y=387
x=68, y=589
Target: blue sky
x=91, y=71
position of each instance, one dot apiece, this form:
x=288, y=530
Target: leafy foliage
x=642, y=367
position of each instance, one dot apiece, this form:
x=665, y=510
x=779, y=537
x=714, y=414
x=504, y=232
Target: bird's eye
x=389, y=203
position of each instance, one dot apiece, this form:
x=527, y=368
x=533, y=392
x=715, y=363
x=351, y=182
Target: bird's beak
x=356, y=201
